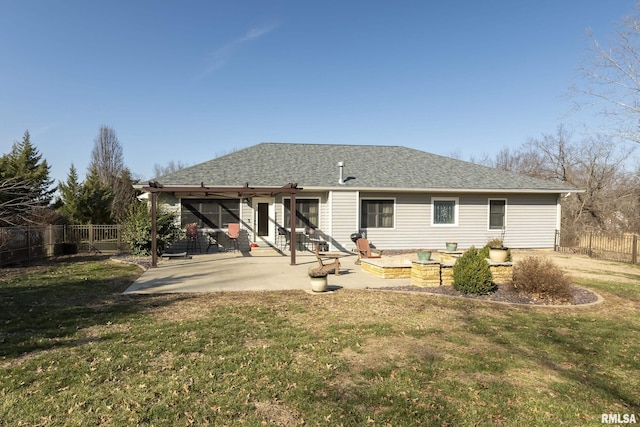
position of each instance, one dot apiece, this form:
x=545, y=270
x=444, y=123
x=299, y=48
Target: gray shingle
x=366, y=166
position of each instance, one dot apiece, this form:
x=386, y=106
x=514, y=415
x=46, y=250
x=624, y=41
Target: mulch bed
x=503, y=293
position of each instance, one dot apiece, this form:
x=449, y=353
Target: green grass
x=74, y=351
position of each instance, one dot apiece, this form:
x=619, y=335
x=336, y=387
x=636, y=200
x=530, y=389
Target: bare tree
x=612, y=80
x=107, y=155
x=108, y=161
x=19, y=200
x=171, y=167
x=611, y=197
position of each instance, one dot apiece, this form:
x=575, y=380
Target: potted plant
x=318, y=278
x=497, y=251
x=424, y=255
x=452, y=246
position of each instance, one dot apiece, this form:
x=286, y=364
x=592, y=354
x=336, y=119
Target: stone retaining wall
x=428, y=273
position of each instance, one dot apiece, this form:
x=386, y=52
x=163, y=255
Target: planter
x=452, y=246
x=498, y=254
x=424, y=255
x=318, y=284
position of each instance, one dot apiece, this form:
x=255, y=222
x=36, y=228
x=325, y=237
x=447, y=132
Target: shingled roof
x=315, y=166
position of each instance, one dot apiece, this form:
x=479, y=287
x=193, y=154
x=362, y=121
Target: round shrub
x=541, y=279
x=137, y=229
x=471, y=273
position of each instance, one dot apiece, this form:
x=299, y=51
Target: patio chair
x=212, y=240
x=312, y=237
x=192, y=237
x=365, y=250
x=326, y=265
x=284, y=238
x=233, y=232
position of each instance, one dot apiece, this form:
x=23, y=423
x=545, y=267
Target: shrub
x=541, y=279
x=137, y=229
x=471, y=273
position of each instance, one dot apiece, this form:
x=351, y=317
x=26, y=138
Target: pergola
x=155, y=187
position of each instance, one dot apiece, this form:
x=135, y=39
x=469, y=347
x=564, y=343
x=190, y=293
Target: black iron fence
x=25, y=244
x=621, y=247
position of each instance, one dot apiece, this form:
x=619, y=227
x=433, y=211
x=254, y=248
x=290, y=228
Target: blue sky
x=190, y=80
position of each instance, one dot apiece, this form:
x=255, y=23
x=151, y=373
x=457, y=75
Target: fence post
x=589, y=249
x=634, y=250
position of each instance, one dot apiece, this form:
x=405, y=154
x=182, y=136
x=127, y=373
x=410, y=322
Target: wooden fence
x=25, y=244
x=623, y=247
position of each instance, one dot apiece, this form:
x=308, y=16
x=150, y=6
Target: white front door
x=264, y=221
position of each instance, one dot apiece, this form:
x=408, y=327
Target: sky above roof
x=189, y=81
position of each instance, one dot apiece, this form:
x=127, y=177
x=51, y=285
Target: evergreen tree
x=70, y=197
x=95, y=200
x=25, y=185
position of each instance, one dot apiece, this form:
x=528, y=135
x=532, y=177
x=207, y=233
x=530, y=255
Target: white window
x=307, y=213
x=444, y=211
x=377, y=213
x=497, y=214
x=210, y=213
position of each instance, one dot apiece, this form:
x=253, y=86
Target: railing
x=623, y=247
x=24, y=244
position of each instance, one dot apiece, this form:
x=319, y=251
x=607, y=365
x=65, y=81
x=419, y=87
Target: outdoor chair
x=365, y=250
x=326, y=265
x=284, y=238
x=312, y=238
x=212, y=239
x=233, y=232
x=192, y=237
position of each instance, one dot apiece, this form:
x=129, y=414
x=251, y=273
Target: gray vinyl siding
x=531, y=222
x=344, y=217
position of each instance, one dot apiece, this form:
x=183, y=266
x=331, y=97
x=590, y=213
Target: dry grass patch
x=278, y=414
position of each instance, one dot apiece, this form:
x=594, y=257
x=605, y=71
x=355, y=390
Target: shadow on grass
x=591, y=351
x=43, y=306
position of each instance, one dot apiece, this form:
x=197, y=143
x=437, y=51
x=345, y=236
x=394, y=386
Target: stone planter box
x=428, y=273
x=425, y=273
x=387, y=268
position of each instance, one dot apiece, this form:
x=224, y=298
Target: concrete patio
x=229, y=272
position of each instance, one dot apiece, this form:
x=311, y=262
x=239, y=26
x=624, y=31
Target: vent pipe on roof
x=341, y=179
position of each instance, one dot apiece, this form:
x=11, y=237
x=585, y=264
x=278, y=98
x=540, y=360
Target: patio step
x=265, y=251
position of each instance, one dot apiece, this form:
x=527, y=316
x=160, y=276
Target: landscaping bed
x=502, y=293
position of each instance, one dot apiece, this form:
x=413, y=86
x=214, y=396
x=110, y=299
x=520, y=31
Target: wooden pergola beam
x=155, y=187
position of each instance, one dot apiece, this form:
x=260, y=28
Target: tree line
x=27, y=193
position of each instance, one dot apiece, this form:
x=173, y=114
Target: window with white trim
x=497, y=214
x=307, y=213
x=444, y=211
x=210, y=213
x=378, y=213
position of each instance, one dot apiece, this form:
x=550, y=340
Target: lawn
x=75, y=352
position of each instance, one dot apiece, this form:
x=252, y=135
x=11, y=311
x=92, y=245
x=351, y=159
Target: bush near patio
x=137, y=229
x=542, y=279
x=471, y=273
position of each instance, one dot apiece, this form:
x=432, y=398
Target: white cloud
x=220, y=57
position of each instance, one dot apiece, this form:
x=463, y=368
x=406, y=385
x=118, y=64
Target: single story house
x=397, y=197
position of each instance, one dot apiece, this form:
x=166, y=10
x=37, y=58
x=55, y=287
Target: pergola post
x=292, y=234
x=154, y=230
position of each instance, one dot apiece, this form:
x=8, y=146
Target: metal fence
x=25, y=244
x=621, y=247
